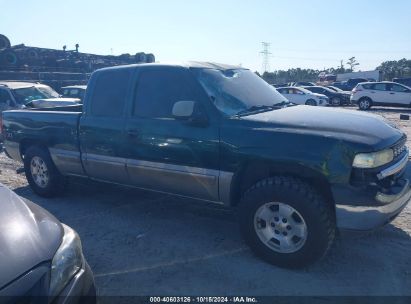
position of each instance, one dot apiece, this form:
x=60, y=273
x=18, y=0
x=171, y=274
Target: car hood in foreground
x=29, y=235
x=348, y=125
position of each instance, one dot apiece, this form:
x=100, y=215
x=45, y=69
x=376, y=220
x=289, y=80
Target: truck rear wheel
x=286, y=222
x=41, y=173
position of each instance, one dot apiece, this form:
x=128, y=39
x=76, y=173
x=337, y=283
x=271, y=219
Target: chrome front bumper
x=394, y=169
x=371, y=217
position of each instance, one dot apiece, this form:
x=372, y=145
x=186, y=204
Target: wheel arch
x=252, y=172
x=26, y=143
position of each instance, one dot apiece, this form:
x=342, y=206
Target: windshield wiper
x=254, y=109
x=283, y=103
x=263, y=108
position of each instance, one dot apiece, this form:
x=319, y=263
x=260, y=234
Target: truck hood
x=29, y=235
x=348, y=125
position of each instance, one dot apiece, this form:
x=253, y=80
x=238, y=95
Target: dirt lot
x=140, y=243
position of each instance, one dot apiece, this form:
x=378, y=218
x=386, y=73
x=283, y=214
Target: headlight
x=373, y=160
x=66, y=262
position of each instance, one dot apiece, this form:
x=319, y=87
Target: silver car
x=39, y=256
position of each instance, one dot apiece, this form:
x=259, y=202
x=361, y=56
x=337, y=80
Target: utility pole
x=266, y=56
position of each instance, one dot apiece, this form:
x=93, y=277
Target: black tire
x=336, y=101
x=56, y=182
x=9, y=58
x=4, y=42
x=140, y=57
x=150, y=58
x=311, y=102
x=364, y=103
x=316, y=213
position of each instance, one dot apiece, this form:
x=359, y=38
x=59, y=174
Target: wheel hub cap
x=280, y=227
x=39, y=172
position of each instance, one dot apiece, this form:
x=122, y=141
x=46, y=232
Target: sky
x=306, y=34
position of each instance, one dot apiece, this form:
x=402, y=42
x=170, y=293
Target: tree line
x=390, y=69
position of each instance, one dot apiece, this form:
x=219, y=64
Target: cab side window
x=157, y=92
x=110, y=92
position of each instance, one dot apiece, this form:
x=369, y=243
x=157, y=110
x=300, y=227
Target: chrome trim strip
x=397, y=167
x=194, y=171
x=105, y=159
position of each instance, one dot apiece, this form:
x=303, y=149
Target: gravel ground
x=141, y=243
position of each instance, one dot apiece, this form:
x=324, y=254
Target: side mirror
x=191, y=112
x=183, y=109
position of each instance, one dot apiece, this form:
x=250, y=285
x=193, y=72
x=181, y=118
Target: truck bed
x=57, y=130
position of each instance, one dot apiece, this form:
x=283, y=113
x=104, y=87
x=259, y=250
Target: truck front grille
x=399, y=148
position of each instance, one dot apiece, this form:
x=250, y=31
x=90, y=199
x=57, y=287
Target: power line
x=266, y=56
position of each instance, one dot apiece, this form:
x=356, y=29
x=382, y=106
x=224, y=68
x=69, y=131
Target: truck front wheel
x=286, y=222
x=41, y=173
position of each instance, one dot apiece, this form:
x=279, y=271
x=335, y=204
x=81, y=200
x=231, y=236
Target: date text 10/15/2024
x=203, y=300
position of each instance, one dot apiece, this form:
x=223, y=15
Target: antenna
x=266, y=56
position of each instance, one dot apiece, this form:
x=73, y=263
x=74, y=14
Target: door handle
x=392, y=93
x=132, y=133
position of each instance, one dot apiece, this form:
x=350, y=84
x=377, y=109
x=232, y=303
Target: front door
x=379, y=93
x=166, y=154
x=400, y=95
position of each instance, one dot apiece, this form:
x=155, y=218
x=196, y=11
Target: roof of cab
x=18, y=84
x=188, y=64
x=75, y=87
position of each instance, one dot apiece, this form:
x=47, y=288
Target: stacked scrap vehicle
x=56, y=68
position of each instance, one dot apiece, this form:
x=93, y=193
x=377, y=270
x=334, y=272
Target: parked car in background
x=383, y=93
x=75, y=91
x=349, y=84
x=303, y=96
x=40, y=257
x=335, y=98
x=18, y=95
x=335, y=89
x=302, y=84
x=219, y=133
x=404, y=81
x=279, y=85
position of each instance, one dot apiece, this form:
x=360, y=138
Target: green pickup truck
x=221, y=134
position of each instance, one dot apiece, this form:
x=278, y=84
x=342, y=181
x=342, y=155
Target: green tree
x=352, y=62
x=393, y=69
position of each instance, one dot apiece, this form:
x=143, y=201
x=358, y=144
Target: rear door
x=102, y=135
x=166, y=154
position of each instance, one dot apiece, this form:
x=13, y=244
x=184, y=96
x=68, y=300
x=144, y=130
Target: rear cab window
x=110, y=93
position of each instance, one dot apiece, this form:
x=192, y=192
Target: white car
x=368, y=94
x=303, y=96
